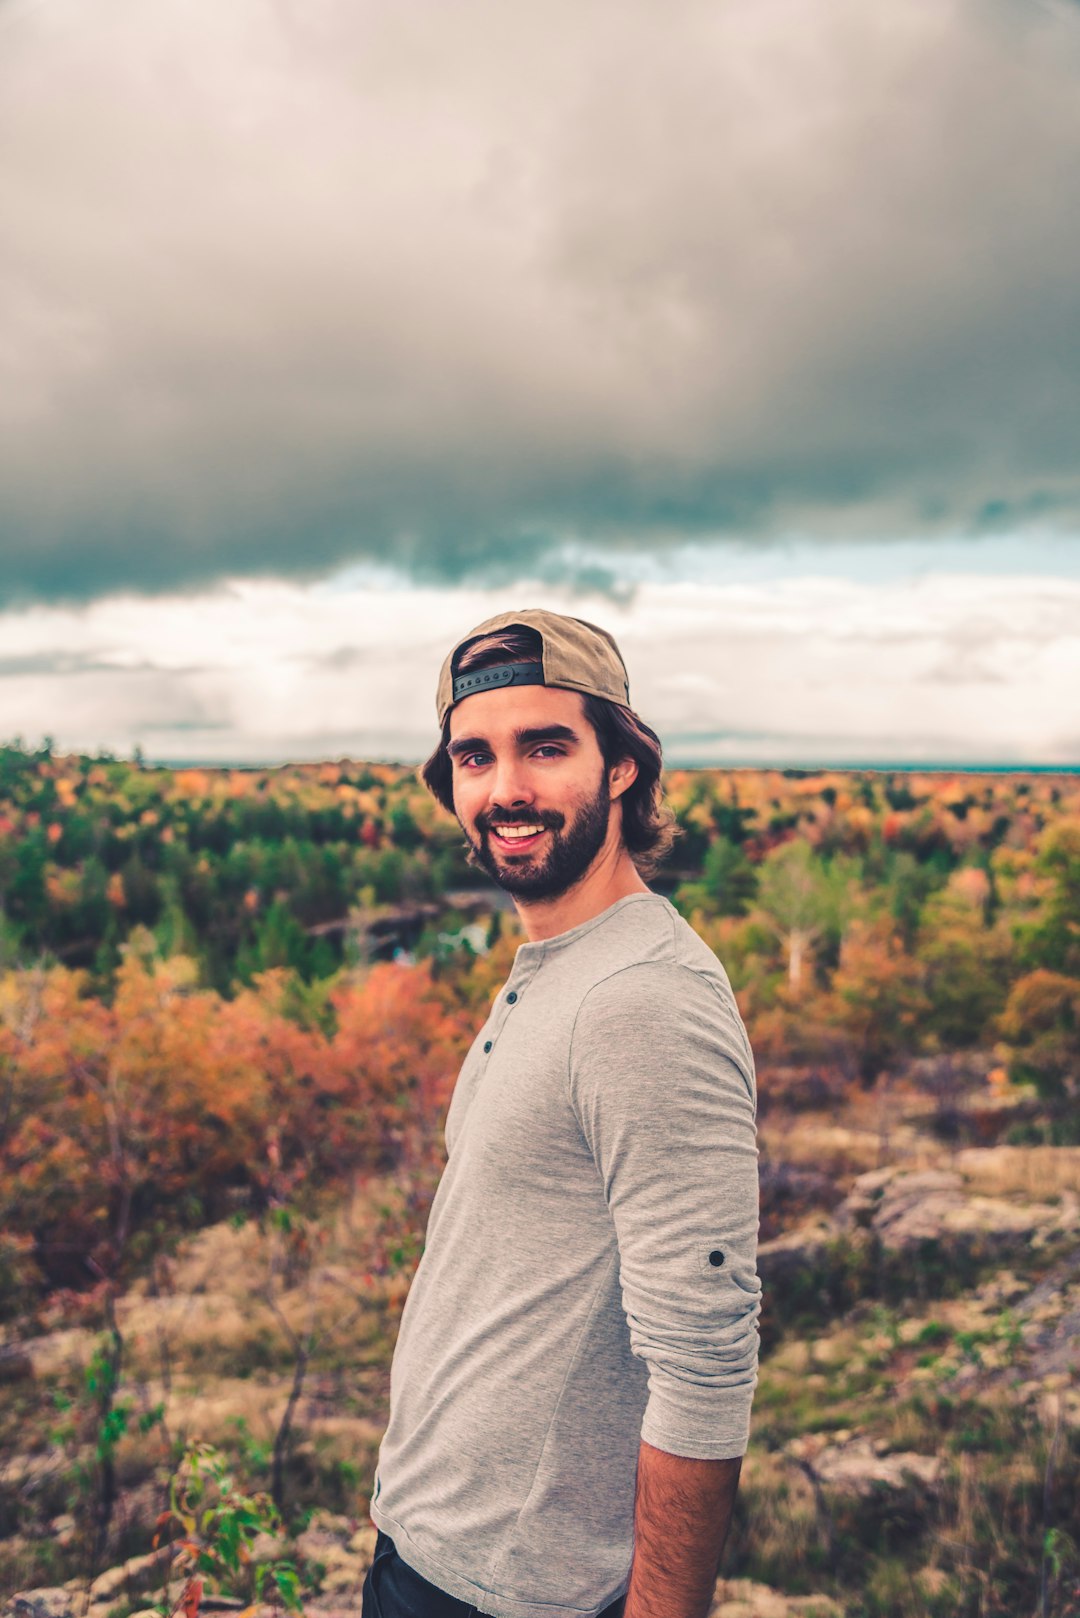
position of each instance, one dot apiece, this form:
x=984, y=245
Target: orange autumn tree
x=128, y=1123
x=878, y=995
x=52, y=1188
x=1041, y=1022
x=402, y=1035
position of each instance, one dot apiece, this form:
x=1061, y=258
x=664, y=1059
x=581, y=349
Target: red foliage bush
x=130, y=1122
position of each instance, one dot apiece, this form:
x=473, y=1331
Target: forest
x=236, y=998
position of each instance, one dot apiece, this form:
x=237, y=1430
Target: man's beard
x=567, y=858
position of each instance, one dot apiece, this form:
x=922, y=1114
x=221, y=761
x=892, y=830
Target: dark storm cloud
x=286, y=286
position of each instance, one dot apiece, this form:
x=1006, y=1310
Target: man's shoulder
x=654, y=968
x=650, y=933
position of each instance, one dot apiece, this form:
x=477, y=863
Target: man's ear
x=622, y=775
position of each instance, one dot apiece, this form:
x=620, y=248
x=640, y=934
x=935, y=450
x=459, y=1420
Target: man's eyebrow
x=526, y=737
x=466, y=744
x=546, y=733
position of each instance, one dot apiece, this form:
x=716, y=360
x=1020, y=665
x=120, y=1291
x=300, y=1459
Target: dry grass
x=1037, y=1172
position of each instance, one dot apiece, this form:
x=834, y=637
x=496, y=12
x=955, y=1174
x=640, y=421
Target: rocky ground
x=343, y=1553
x=920, y=1378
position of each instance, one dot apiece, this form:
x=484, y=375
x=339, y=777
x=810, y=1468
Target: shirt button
x=487, y=1046
x=512, y=996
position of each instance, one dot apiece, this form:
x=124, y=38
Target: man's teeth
x=517, y=831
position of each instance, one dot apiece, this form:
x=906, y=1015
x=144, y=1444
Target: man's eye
x=468, y=758
x=549, y=747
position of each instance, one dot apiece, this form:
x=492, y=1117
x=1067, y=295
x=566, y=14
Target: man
x=576, y=1360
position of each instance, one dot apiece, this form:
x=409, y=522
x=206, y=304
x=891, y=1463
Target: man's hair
x=648, y=825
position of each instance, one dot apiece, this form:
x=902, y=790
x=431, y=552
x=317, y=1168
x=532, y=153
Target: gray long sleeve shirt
x=589, y=1274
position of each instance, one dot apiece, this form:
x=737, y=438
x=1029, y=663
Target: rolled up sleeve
x=662, y=1082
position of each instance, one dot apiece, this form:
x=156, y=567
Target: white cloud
x=958, y=668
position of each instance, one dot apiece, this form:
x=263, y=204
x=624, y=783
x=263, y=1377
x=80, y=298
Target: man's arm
x=682, y=1512
x=661, y=1079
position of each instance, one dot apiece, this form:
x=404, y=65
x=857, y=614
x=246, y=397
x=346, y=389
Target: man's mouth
x=518, y=837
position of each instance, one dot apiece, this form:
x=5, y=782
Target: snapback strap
x=499, y=674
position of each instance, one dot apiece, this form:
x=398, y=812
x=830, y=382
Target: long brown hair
x=648, y=825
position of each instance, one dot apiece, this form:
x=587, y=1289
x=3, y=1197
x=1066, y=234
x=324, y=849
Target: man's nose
x=510, y=788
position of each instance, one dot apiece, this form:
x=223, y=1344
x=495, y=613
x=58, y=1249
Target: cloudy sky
x=750, y=330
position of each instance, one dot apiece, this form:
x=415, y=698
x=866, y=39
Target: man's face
x=530, y=788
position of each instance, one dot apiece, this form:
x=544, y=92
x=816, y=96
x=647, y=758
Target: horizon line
x=938, y=767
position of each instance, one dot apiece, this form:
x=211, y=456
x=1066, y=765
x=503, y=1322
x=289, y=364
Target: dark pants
x=393, y=1589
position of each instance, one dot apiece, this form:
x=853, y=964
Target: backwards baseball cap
x=575, y=654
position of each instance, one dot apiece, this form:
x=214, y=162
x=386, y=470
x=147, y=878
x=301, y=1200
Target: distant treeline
x=238, y=868
x=230, y=867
